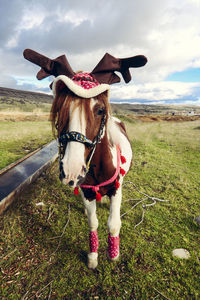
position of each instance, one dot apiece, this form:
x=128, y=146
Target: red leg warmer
x=113, y=246
x=94, y=242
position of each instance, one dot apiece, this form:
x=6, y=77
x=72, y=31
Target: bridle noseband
x=74, y=136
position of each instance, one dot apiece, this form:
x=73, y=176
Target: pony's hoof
x=113, y=258
x=92, y=260
x=92, y=263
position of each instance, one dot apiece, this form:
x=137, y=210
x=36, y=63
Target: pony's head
x=80, y=124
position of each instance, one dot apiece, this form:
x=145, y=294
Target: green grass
x=39, y=259
x=21, y=138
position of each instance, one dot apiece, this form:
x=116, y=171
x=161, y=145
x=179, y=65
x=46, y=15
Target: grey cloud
x=11, y=13
x=8, y=81
x=109, y=25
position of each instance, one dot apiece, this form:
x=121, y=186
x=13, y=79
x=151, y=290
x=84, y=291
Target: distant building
x=191, y=113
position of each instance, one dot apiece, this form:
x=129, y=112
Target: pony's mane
x=60, y=109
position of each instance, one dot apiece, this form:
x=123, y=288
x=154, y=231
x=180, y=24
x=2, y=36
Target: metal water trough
x=14, y=179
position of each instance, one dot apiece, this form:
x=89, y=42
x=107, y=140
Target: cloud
x=8, y=81
x=157, y=91
x=167, y=32
x=9, y=20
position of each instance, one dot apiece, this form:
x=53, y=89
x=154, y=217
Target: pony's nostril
x=71, y=183
x=80, y=179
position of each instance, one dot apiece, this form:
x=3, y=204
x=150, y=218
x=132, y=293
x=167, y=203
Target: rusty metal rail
x=15, y=178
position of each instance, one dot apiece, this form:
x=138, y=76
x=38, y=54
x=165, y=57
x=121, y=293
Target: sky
x=166, y=32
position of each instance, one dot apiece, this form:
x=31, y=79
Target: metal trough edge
x=17, y=178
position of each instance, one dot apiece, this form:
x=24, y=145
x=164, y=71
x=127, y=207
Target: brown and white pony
x=93, y=144
x=71, y=113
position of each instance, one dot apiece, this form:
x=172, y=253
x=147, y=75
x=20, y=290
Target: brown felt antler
x=104, y=72
x=57, y=66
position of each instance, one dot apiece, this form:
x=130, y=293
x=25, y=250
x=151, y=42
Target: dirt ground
x=159, y=118
x=23, y=116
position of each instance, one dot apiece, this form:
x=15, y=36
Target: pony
x=94, y=150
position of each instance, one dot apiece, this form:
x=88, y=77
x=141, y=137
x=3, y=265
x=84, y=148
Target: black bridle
x=74, y=136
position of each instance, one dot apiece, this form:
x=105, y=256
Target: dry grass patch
x=18, y=116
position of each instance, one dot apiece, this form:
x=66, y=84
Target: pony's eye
x=101, y=111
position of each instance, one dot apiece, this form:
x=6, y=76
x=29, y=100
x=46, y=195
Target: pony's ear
x=57, y=66
x=104, y=72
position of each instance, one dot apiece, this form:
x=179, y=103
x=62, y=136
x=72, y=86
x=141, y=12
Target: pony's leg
x=93, y=236
x=114, y=225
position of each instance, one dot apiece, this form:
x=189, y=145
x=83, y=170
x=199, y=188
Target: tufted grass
x=43, y=249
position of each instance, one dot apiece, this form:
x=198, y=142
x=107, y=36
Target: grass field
x=21, y=138
x=24, y=124
x=43, y=249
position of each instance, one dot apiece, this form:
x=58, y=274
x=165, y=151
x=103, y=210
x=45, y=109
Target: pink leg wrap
x=113, y=246
x=94, y=242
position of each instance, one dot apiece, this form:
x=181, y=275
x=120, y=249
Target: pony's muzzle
x=71, y=178
x=79, y=182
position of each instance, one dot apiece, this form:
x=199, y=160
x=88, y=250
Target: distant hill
x=25, y=95
x=141, y=109
x=12, y=99
x=147, y=109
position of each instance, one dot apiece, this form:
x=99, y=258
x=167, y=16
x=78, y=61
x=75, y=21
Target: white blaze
x=73, y=161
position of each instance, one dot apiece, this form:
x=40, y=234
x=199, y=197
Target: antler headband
x=103, y=73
